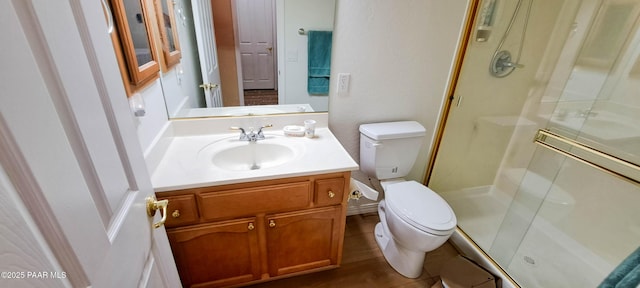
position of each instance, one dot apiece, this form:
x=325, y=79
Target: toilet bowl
x=413, y=220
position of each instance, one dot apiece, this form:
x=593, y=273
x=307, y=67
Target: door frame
x=450, y=96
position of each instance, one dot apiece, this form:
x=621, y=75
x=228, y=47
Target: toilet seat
x=422, y=208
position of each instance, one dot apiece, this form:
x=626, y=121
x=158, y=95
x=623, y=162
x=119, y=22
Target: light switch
x=343, y=84
x=292, y=56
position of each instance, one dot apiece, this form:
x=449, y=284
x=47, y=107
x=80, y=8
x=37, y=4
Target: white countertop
x=182, y=165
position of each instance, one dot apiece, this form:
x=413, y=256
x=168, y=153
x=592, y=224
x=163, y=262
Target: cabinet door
x=303, y=240
x=218, y=254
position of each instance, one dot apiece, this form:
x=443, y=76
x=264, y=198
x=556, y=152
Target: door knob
x=272, y=223
x=270, y=49
x=208, y=86
x=153, y=204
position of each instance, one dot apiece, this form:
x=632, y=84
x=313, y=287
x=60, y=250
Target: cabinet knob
x=176, y=214
x=331, y=194
x=272, y=223
x=250, y=226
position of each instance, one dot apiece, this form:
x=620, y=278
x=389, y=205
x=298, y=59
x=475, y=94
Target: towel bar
x=625, y=169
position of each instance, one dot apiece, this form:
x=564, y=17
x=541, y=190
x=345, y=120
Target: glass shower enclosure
x=541, y=149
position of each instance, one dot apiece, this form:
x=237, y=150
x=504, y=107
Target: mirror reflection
x=138, y=30
x=248, y=57
x=168, y=34
x=168, y=26
x=598, y=104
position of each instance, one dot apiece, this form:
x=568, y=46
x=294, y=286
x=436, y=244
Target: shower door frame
x=542, y=136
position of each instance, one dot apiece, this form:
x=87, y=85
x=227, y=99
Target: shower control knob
x=501, y=64
x=514, y=65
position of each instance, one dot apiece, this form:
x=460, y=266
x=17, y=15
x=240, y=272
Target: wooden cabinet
x=246, y=233
x=220, y=254
x=303, y=240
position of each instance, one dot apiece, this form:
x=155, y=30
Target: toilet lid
x=421, y=207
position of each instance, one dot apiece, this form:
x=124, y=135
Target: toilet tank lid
x=393, y=130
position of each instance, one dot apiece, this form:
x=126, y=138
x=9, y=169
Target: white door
x=70, y=149
x=205, y=36
x=256, y=43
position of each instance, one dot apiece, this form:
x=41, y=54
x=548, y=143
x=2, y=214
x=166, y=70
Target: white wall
x=175, y=87
x=155, y=118
x=400, y=56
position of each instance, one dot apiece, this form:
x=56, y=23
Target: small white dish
x=293, y=130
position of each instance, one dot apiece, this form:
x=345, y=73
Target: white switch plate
x=292, y=56
x=343, y=84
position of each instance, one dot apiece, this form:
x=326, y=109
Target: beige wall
x=400, y=57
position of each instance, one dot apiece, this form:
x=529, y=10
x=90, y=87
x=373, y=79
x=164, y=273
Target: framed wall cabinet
x=134, y=43
x=168, y=33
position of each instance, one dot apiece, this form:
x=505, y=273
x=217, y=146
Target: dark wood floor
x=260, y=97
x=363, y=264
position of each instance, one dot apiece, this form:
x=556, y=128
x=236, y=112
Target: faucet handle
x=236, y=128
x=265, y=126
x=243, y=134
x=260, y=135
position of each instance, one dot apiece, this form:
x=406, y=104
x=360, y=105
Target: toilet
x=413, y=219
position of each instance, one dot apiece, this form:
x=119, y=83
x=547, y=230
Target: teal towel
x=626, y=275
x=319, y=63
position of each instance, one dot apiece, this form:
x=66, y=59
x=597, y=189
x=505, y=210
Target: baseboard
x=362, y=209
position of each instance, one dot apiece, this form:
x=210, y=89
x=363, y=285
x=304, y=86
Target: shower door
x=541, y=165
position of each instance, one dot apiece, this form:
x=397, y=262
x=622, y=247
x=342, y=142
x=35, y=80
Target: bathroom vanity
x=231, y=234
x=231, y=226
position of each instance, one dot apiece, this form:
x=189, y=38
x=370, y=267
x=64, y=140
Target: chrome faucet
x=252, y=136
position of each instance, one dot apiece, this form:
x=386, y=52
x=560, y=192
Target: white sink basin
x=202, y=153
x=235, y=155
x=252, y=156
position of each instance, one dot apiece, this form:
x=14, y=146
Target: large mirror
x=249, y=57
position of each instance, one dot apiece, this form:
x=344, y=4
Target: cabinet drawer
x=182, y=210
x=329, y=191
x=252, y=201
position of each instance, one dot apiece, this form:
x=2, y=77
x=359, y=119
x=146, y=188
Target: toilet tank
x=389, y=150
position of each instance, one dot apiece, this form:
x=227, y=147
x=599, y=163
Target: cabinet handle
x=331, y=194
x=272, y=223
x=176, y=214
x=251, y=227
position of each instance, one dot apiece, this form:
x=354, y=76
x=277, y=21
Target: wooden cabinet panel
x=218, y=254
x=303, y=240
x=237, y=234
x=255, y=200
x=329, y=191
x=182, y=210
